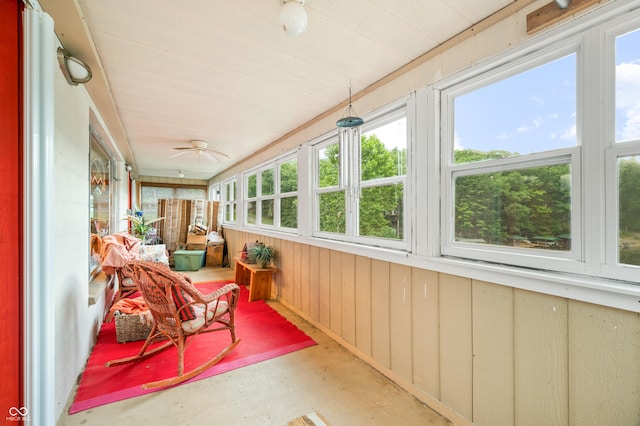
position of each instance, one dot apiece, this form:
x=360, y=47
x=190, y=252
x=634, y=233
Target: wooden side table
x=258, y=279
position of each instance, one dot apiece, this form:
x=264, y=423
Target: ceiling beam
x=550, y=13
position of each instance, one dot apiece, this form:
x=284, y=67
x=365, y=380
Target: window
x=510, y=163
x=538, y=170
x=99, y=197
x=151, y=193
x=626, y=150
x=271, y=199
x=229, y=200
x=288, y=193
x=360, y=181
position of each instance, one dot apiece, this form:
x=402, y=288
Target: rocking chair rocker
x=179, y=311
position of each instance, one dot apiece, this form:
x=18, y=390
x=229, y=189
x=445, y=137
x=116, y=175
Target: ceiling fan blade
x=217, y=154
x=178, y=154
x=210, y=156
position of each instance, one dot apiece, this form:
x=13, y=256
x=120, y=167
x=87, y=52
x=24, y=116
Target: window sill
x=601, y=291
x=98, y=286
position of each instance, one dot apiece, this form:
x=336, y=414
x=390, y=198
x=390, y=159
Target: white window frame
x=276, y=196
x=250, y=199
x=350, y=181
x=226, y=202
x=280, y=195
x=615, y=150
x=593, y=161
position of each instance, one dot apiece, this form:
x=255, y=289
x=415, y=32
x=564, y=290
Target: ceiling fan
x=200, y=148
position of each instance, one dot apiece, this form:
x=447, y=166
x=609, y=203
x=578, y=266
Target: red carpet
x=265, y=334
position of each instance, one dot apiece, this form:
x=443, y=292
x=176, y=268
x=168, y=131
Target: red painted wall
x=11, y=389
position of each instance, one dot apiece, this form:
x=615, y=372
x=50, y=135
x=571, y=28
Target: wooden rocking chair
x=179, y=311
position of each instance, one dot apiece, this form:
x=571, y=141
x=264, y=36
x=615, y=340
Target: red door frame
x=11, y=221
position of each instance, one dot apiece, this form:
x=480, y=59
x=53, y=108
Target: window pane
x=384, y=151
x=289, y=176
x=329, y=166
x=252, y=188
x=267, y=212
x=525, y=208
x=629, y=210
x=99, y=198
x=251, y=212
x=533, y=111
x=332, y=212
x=230, y=212
x=628, y=87
x=267, y=182
x=190, y=193
x=289, y=212
x=381, y=211
x=150, y=196
x=230, y=191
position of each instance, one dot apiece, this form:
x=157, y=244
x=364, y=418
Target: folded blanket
x=117, y=250
x=131, y=306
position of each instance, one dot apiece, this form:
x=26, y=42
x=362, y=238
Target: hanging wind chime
x=349, y=118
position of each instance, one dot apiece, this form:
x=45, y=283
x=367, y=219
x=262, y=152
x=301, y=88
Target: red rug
x=264, y=334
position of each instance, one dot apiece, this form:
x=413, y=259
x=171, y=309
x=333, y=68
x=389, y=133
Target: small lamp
x=74, y=70
x=293, y=17
x=180, y=174
x=563, y=4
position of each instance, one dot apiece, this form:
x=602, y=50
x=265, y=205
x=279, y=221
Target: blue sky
x=537, y=108
x=536, y=111
x=628, y=86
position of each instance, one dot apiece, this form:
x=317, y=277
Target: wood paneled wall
x=491, y=354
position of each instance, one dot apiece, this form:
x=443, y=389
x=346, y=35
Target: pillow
x=180, y=298
x=154, y=253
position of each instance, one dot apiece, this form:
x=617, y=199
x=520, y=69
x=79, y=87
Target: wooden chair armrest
x=215, y=295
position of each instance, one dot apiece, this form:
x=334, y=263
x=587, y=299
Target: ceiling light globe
x=293, y=18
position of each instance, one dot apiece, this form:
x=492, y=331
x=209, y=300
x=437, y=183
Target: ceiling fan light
x=293, y=17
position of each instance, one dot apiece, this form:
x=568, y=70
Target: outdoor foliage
x=629, y=210
x=532, y=207
x=380, y=206
x=524, y=206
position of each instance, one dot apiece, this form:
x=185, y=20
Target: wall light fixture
x=74, y=70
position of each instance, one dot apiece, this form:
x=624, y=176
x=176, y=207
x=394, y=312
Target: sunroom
x=475, y=237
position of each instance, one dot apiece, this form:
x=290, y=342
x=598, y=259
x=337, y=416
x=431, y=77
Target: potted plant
x=261, y=255
x=139, y=226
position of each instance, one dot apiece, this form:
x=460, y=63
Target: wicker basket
x=131, y=327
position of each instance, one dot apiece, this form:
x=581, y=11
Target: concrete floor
x=325, y=378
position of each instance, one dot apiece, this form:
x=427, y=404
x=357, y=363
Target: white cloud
x=537, y=100
x=569, y=134
x=536, y=123
x=456, y=142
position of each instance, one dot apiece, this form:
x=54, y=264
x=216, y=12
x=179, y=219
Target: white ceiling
x=167, y=72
